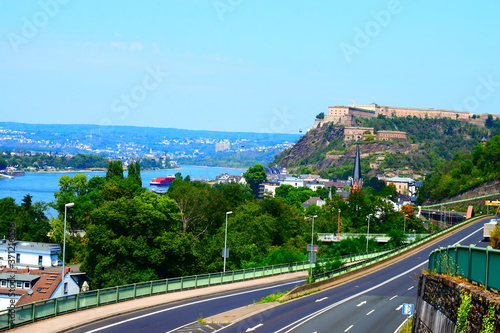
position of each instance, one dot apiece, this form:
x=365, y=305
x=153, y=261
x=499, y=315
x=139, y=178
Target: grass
x=407, y=327
x=272, y=297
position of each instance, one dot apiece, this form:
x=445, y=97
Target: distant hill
x=429, y=144
x=130, y=141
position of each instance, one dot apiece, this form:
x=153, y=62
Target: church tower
x=357, y=180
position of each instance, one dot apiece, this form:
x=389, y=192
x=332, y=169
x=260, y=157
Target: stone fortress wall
x=344, y=115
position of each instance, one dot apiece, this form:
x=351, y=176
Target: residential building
x=24, y=285
x=29, y=254
x=314, y=200
x=406, y=186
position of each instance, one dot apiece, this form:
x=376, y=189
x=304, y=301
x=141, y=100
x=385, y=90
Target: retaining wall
x=438, y=303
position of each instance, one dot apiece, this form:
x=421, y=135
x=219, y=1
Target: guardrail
x=28, y=313
x=477, y=265
x=392, y=252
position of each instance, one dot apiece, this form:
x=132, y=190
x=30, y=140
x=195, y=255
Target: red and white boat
x=162, y=181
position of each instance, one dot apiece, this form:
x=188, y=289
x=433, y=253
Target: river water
x=43, y=185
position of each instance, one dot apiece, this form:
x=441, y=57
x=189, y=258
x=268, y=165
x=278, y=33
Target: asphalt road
x=173, y=316
x=368, y=304
x=365, y=305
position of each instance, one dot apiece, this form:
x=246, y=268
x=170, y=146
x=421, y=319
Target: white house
x=29, y=254
x=24, y=285
x=295, y=182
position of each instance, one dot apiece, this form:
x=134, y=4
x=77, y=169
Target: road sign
x=225, y=253
x=312, y=256
x=408, y=309
x=492, y=203
x=313, y=248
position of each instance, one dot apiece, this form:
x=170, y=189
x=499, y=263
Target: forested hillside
x=430, y=144
x=463, y=172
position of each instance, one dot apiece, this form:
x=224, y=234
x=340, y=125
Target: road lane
x=337, y=312
x=174, y=315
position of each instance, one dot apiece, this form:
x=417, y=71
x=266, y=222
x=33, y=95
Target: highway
x=368, y=304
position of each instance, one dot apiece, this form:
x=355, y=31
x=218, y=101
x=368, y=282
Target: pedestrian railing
x=477, y=265
x=383, y=256
x=28, y=313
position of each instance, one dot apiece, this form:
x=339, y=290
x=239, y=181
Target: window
x=18, y=258
x=40, y=260
x=19, y=284
x=26, y=285
x=65, y=287
x=4, y=283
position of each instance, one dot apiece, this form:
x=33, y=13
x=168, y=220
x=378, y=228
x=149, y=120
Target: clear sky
x=242, y=65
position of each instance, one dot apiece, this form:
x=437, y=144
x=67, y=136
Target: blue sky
x=242, y=65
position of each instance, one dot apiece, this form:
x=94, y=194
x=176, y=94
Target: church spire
x=357, y=180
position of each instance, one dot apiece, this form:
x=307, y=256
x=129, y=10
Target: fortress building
x=344, y=115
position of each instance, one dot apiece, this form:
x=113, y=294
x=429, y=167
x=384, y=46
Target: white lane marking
x=399, y=307
x=184, y=305
x=402, y=324
x=362, y=303
x=393, y=297
x=254, y=328
x=411, y=288
x=305, y=319
x=321, y=299
x=369, y=313
x=347, y=329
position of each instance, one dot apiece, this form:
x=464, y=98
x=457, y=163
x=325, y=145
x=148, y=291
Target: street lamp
x=225, y=253
x=312, y=233
x=70, y=204
x=338, y=226
x=368, y=234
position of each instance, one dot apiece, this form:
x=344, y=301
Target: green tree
x=8, y=213
x=254, y=176
x=134, y=173
x=126, y=239
x=115, y=170
x=32, y=224
x=320, y=115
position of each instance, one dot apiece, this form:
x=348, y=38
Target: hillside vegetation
x=463, y=172
x=430, y=144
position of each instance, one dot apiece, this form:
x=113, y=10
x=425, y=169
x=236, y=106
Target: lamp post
x=224, y=250
x=70, y=204
x=368, y=234
x=338, y=226
x=312, y=233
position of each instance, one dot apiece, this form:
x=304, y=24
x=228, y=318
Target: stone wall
x=438, y=302
x=485, y=189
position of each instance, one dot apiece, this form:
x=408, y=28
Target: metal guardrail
x=28, y=313
x=478, y=265
x=392, y=252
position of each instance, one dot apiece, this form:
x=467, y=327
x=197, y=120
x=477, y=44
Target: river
x=43, y=185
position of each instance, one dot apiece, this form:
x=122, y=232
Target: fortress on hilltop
x=344, y=115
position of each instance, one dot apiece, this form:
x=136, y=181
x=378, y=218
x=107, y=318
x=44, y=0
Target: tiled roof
x=43, y=288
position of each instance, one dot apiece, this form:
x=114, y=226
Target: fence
x=392, y=252
x=478, y=265
x=25, y=314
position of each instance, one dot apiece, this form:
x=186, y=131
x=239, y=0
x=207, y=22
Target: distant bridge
x=380, y=238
